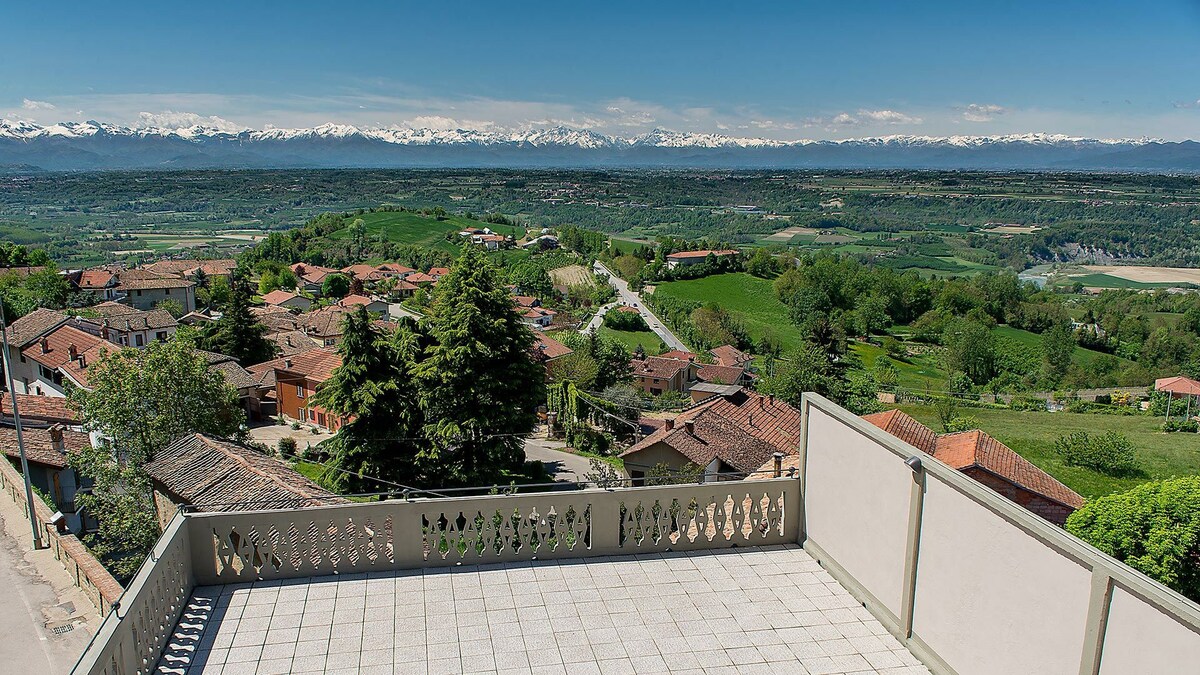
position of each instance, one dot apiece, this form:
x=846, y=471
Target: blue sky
x=785, y=70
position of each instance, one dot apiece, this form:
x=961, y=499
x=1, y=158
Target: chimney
x=72, y=352
x=669, y=424
x=287, y=363
x=56, y=438
x=45, y=345
x=778, y=464
x=82, y=361
x=690, y=426
x=762, y=403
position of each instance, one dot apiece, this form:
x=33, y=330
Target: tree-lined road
x=632, y=299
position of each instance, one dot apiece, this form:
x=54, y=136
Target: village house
x=325, y=324
x=376, y=307
x=295, y=379
x=725, y=436
x=213, y=474
x=730, y=356
x=989, y=462
x=100, y=281
x=310, y=277
x=37, y=368
x=46, y=451
x=126, y=326
x=291, y=342
x=275, y=318
x=689, y=258
x=288, y=300
x=420, y=279
x=656, y=375
x=144, y=289
x=436, y=273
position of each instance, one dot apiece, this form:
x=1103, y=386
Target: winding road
x=632, y=299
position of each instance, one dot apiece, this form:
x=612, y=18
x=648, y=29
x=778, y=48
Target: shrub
x=1154, y=528
x=617, y=319
x=287, y=446
x=1173, y=425
x=1110, y=453
x=295, y=426
x=1027, y=404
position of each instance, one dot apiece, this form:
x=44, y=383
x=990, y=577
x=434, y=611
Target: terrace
x=875, y=558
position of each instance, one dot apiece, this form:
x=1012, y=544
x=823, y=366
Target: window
x=22, y=358
x=168, y=291
x=160, y=335
x=299, y=391
x=139, y=340
x=139, y=291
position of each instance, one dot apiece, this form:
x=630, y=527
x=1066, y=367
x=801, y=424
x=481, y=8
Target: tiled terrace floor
x=769, y=610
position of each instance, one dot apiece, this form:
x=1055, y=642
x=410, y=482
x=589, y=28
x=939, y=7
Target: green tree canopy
x=480, y=384
x=238, y=333
x=141, y=401
x=1154, y=528
x=335, y=286
x=375, y=386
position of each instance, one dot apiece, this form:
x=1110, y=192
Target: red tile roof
x=279, y=296
x=743, y=430
x=419, y=278
x=905, y=428
x=1178, y=385
x=315, y=364
x=55, y=348
x=325, y=322
x=439, y=271
x=355, y=300
x=722, y=374
x=657, y=367
x=678, y=354
x=79, y=373
x=95, y=279
x=969, y=449
x=548, y=347
x=728, y=355
x=41, y=408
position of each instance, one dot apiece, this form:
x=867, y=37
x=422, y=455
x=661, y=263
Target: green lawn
x=1032, y=434
x=748, y=297
x=405, y=227
x=632, y=338
x=1081, y=356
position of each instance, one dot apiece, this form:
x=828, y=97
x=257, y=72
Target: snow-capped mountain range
x=95, y=145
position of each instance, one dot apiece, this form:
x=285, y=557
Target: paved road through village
x=632, y=299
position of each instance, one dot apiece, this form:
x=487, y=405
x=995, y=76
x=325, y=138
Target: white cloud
x=983, y=112
x=862, y=117
x=887, y=117
x=1187, y=104
x=170, y=119
x=30, y=104
x=443, y=123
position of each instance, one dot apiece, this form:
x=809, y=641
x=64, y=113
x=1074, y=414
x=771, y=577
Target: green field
x=1032, y=434
x=406, y=227
x=1081, y=356
x=1109, y=281
x=747, y=297
x=632, y=338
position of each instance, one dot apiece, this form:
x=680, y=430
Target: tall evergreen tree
x=376, y=387
x=479, y=381
x=238, y=333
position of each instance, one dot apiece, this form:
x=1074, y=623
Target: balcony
x=868, y=561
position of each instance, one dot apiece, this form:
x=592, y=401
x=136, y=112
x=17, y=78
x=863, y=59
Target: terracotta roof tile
x=656, y=366
x=722, y=374
x=33, y=325
x=228, y=476
x=96, y=279
x=39, y=447
x=315, y=364
x=728, y=355
x=60, y=346
x=40, y=408
x=975, y=448
x=905, y=428
x=292, y=342
x=278, y=297
x=548, y=347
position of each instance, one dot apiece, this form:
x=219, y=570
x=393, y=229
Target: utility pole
x=12, y=396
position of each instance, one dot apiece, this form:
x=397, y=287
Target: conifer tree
x=238, y=333
x=479, y=382
x=375, y=386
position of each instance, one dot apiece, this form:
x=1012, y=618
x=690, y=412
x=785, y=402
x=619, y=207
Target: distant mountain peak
x=98, y=145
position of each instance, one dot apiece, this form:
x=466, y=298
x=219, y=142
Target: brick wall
x=88, y=573
x=1050, y=510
